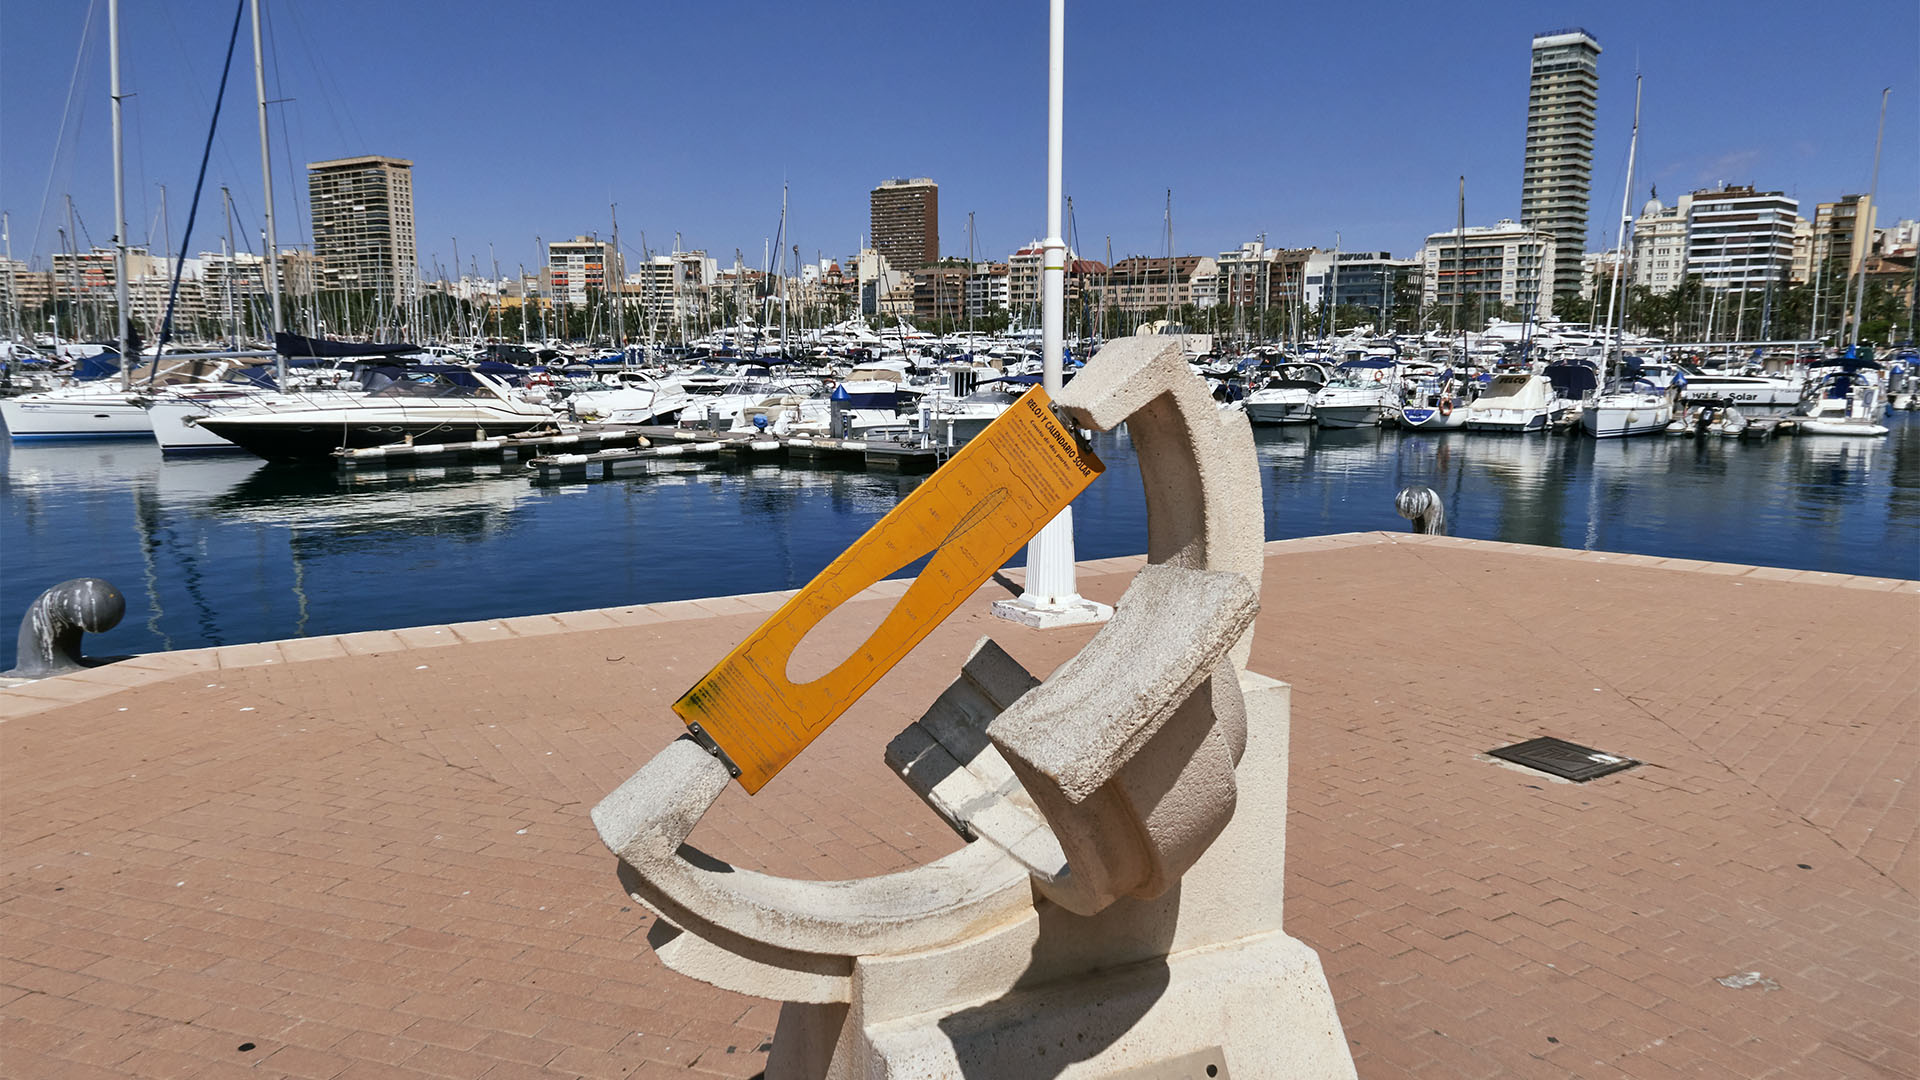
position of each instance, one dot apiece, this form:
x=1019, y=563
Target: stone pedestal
x=1117, y=912
x=1202, y=974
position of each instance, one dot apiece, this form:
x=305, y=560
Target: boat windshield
x=431, y=387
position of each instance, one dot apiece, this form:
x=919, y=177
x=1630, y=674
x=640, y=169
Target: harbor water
x=230, y=549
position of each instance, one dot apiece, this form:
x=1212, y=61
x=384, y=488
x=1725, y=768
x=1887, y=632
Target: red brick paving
x=369, y=860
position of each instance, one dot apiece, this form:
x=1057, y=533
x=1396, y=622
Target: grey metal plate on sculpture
x=1207, y=1064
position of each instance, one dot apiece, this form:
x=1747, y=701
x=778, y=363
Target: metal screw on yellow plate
x=970, y=517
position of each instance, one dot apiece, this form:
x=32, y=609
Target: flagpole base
x=1047, y=614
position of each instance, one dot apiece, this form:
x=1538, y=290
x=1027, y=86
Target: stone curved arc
x=1191, y=524
x=646, y=822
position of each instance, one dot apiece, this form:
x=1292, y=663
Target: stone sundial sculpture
x=1117, y=912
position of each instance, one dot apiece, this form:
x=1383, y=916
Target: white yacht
x=1628, y=407
x=1512, y=401
x=1755, y=394
x=1358, y=393
x=99, y=408
x=1287, y=397
x=643, y=400
x=433, y=411
x=1434, y=402
x=1849, y=399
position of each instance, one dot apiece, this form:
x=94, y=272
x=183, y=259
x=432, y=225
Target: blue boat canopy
x=296, y=345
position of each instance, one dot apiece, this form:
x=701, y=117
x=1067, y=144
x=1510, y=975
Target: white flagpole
x=1052, y=597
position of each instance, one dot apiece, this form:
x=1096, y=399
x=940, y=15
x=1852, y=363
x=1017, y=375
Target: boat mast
x=1819, y=272
x=1619, y=253
x=615, y=275
x=272, y=266
x=1332, y=299
x=233, y=329
x=1460, y=269
x=119, y=200
x=13, y=291
x=783, y=275
x=1859, y=264
x=1169, y=259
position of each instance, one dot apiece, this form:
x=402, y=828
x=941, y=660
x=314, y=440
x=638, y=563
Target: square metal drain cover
x=1564, y=759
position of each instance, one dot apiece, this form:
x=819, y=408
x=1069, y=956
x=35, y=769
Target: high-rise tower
x=363, y=224
x=906, y=222
x=1564, y=90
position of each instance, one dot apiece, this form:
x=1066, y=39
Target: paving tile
x=312, y=648
x=489, y=630
x=371, y=642
x=427, y=637
x=409, y=886
x=244, y=656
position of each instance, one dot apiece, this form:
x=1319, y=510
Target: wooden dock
x=504, y=450
x=605, y=452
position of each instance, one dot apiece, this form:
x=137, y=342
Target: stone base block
x=1078, y=611
x=1260, y=1006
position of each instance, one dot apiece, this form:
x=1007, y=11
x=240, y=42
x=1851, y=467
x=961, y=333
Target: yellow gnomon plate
x=971, y=515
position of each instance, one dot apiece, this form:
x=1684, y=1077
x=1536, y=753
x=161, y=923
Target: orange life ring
x=1446, y=406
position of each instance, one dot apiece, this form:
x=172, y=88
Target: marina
x=228, y=548
x=1496, y=660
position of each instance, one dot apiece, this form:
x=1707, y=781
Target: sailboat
x=1851, y=399
x=93, y=408
x=1630, y=405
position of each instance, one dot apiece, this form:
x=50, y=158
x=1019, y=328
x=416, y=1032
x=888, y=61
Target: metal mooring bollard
x=1420, y=504
x=51, y=630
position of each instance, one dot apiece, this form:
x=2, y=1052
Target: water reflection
x=231, y=549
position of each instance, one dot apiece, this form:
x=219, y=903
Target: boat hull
x=1420, y=418
x=1615, y=422
x=1346, y=416
x=1855, y=428
x=1278, y=412
x=280, y=441
x=31, y=417
x=176, y=436
x=1511, y=421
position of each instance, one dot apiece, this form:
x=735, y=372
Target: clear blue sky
x=1295, y=120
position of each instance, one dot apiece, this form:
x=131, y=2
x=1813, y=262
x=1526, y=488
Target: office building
x=1563, y=92
x=1660, y=244
x=1739, y=238
x=362, y=210
x=1506, y=262
x=1843, y=234
x=580, y=268
x=1024, y=280
x=1147, y=285
x=1361, y=279
x=988, y=290
x=906, y=222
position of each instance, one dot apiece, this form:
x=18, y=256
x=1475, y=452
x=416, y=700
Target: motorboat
x=174, y=412
x=1756, y=394
x=1512, y=401
x=421, y=408
x=1629, y=406
x=95, y=406
x=1287, y=396
x=1357, y=394
x=1434, y=403
x=1850, y=399
x=641, y=400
